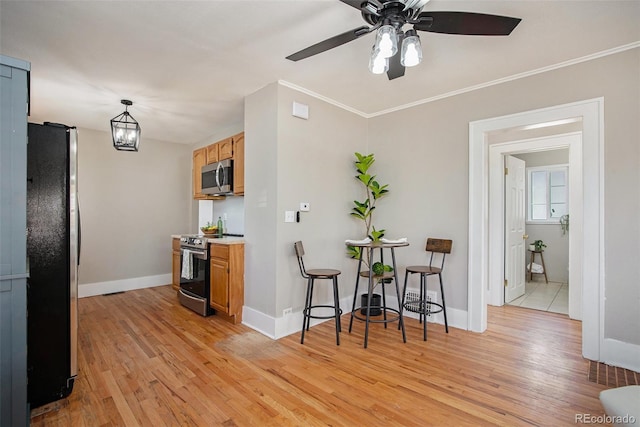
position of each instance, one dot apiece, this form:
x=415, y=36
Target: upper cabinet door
x=238, y=164
x=225, y=149
x=213, y=153
x=199, y=160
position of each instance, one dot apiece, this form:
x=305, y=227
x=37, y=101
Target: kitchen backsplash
x=231, y=208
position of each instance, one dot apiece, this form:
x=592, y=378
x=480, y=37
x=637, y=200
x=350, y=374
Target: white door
x=514, y=253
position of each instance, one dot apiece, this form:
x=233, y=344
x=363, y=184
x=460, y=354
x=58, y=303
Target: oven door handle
x=196, y=254
x=186, y=295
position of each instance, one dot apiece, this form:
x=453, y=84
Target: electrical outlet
x=286, y=311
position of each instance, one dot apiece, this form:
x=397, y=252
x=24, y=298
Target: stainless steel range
x=195, y=274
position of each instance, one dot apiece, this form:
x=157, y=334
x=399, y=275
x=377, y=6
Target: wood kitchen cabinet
x=200, y=160
x=177, y=267
x=213, y=153
x=219, y=151
x=228, y=148
x=225, y=149
x=238, y=164
x=227, y=280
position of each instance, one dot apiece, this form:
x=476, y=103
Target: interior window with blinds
x=548, y=195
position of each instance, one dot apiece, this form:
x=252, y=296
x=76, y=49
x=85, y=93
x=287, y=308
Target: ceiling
x=187, y=65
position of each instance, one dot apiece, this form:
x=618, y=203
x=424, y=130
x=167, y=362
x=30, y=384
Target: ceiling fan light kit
x=387, y=17
x=125, y=130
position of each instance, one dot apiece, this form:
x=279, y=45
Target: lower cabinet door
x=220, y=284
x=176, y=270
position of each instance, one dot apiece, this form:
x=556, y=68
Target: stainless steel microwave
x=217, y=178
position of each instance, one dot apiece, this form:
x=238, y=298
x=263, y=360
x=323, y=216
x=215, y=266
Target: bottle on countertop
x=220, y=227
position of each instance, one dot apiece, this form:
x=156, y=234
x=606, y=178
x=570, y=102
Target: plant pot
x=532, y=248
x=376, y=303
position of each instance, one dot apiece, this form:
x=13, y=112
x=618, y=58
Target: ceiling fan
x=395, y=49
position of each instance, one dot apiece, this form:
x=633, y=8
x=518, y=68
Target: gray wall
x=422, y=153
x=130, y=205
x=290, y=160
x=428, y=146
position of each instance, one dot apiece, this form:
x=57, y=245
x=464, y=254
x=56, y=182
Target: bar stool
x=419, y=303
x=311, y=276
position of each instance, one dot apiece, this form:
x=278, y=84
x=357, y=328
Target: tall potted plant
x=363, y=210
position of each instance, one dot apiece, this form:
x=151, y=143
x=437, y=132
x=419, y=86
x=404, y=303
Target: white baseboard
x=259, y=321
x=621, y=354
x=455, y=318
x=279, y=327
x=100, y=288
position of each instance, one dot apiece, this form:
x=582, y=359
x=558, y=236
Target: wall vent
x=413, y=304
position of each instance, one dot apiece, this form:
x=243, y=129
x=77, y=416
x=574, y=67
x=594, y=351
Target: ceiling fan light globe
x=378, y=64
x=411, y=51
x=387, y=41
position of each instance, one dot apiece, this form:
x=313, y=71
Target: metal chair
x=311, y=276
x=420, y=303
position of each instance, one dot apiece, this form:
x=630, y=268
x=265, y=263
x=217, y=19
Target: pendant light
x=125, y=130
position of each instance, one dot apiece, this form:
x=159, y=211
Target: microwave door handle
x=219, y=175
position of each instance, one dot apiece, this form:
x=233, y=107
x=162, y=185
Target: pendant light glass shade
x=387, y=41
x=411, y=54
x=378, y=64
x=125, y=130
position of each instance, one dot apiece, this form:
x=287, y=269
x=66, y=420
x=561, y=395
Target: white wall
x=130, y=205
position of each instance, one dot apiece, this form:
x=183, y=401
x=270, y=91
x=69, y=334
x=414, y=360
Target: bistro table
x=370, y=249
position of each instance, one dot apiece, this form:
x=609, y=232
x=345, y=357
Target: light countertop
x=229, y=240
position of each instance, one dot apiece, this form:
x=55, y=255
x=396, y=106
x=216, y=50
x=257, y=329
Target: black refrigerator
x=53, y=248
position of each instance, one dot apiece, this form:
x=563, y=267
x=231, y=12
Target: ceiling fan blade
x=467, y=23
x=329, y=43
x=354, y=3
x=396, y=69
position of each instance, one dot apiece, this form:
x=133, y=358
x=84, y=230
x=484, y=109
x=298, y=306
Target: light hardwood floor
x=145, y=360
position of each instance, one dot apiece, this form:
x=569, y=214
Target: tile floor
x=552, y=296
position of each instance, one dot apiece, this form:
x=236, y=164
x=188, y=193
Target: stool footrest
x=418, y=306
x=307, y=312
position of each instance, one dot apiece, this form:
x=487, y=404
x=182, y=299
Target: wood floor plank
x=145, y=360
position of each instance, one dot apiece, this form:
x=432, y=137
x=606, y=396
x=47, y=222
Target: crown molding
x=513, y=77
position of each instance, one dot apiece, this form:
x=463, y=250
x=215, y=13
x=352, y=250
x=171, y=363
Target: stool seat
x=424, y=269
x=323, y=273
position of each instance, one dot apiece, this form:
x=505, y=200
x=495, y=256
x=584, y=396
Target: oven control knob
x=197, y=241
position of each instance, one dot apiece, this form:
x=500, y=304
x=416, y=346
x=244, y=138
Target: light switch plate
x=304, y=206
x=289, y=216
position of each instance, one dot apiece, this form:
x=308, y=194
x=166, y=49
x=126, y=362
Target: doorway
x=485, y=260
x=542, y=178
